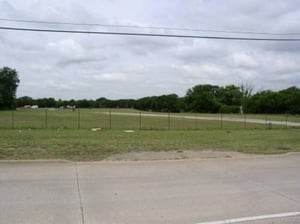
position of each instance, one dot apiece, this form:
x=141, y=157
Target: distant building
x=34, y=107
x=27, y=106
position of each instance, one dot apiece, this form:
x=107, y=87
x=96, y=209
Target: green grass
x=85, y=145
x=89, y=118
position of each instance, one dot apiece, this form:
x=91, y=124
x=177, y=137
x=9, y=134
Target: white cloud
x=90, y=66
x=111, y=77
x=242, y=59
x=66, y=47
x=202, y=70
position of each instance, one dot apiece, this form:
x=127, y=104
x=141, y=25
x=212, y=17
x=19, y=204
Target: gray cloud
x=86, y=66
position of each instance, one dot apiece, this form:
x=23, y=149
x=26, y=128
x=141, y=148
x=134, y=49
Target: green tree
x=9, y=81
x=290, y=100
x=230, y=95
x=163, y=103
x=230, y=98
x=264, y=102
x=203, y=98
x=102, y=102
x=24, y=100
x=246, y=90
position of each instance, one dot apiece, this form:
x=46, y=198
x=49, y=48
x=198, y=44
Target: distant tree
x=290, y=100
x=247, y=91
x=181, y=104
x=103, y=102
x=46, y=102
x=9, y=81
x=24, y=100
x=283, y=101
x=230, y=95
x=200, y=98
x=50, y=102
x=229, y=109
x=264, y=102
x=84, y=103
x=125, y=103
x=163, y=103
x=59, y=103
x=203, y=98
x=147, y=103
x=167, y=103
x=230, y=98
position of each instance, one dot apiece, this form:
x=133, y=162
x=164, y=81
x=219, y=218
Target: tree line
x=203, y=98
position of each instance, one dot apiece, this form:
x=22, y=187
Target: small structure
x=27, y=106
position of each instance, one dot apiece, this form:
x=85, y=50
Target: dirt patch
x=175, y=155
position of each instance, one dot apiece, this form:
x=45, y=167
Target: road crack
x=79, y=195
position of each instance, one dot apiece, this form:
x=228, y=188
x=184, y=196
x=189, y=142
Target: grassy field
x=132, y=119
x=66, y=134
x=86, y=145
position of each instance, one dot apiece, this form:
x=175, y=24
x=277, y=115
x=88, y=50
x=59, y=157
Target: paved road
x=179, y=192
x=210, y=118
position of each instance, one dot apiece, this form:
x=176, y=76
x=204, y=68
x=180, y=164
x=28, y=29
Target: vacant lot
x=134, y=119
x=66, y=134
x=88, y=145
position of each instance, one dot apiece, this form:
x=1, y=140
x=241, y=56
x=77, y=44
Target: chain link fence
x=131, y=119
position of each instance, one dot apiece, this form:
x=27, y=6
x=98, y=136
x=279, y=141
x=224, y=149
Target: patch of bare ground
x=176, y=155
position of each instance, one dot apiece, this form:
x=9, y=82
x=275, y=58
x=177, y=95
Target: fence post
x=221, y=120
x=286, y=120
x=78, y=119
x=245, y=121
x=169, y=121
x=46, y=118
x=266, y=121
x=12, y=119
x=140, y=120
x=109, y=120
x=196, y=119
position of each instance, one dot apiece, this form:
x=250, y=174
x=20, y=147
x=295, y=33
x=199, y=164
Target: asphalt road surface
x=215, y=191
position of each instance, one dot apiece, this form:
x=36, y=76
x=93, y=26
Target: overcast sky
x=91, y=66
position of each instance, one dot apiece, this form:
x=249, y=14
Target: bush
x=226, y=109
